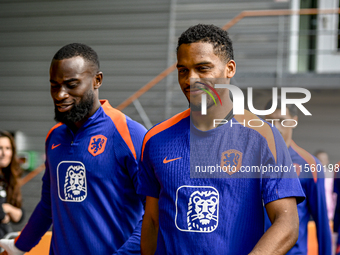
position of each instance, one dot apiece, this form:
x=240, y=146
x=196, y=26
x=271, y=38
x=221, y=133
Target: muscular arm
x=150, y=227
x=283, y=233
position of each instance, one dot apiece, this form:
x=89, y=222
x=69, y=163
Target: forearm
x=39, y=222
x=278, y=239
x=149, y=236
x=13, y=212
x=284, y=231
x=15, y=215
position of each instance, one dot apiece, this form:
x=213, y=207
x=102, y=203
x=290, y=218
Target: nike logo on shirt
x=169, y=160
x=55, y=146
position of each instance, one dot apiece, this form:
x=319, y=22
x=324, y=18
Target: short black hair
x=218, y=37
x=293, y=110
x=78, y=49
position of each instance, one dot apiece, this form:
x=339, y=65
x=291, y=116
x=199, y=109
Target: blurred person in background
x=329, y=183
x=336, y=220
x=312, y=182
x=331, y=196
x=10, y=194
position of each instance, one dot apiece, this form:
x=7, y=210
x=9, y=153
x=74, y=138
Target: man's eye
x=72, y=85
x=203, y=68
x=181, y=71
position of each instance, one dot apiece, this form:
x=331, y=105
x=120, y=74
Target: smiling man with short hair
x=197, y=213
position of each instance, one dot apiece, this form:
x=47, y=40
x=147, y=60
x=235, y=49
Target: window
x=307, y=38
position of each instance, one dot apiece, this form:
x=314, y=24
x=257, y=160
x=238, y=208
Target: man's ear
x=98, y=80
x=230, y=69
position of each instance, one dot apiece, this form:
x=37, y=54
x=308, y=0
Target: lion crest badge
x=97, y=145
x=197, y=209
x=202, y=211
x=231, y=161
x=72, y=186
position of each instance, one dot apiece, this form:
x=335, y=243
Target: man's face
x=286, y=132
x=5, y=152
x=198, y=65
x=72, y=89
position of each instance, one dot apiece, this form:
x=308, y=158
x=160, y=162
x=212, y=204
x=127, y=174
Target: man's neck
x=214, y=113
x=288, y=141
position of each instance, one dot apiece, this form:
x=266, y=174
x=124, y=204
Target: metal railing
x=170, y=69
x=231, y=23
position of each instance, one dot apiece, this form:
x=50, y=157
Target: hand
x=6, y=207
x=9, y=247
x=6, y=219
x=13, y=212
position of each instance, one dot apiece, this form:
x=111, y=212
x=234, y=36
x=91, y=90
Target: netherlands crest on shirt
x=72, y=186
x=231, y=161
x=197, y=209
x=97, y=145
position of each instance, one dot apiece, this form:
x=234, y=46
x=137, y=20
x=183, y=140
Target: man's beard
x=198, y=107
x=78, y=112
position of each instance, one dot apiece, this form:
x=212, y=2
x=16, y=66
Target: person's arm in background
x=150, y=227
x=4, y=218
x=14, y=213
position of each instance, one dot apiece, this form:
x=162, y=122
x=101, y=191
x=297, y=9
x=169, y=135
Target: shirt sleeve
x=315, y=193
x=40, y=220
x=279, y=179
x=137, y=132
x=148, y=184
x=132, y=245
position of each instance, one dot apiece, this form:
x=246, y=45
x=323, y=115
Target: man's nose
x=61, y=94
x=192, y=77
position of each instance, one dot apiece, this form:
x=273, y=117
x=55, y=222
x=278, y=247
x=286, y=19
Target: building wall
x=130, y=38
x=135, y=40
